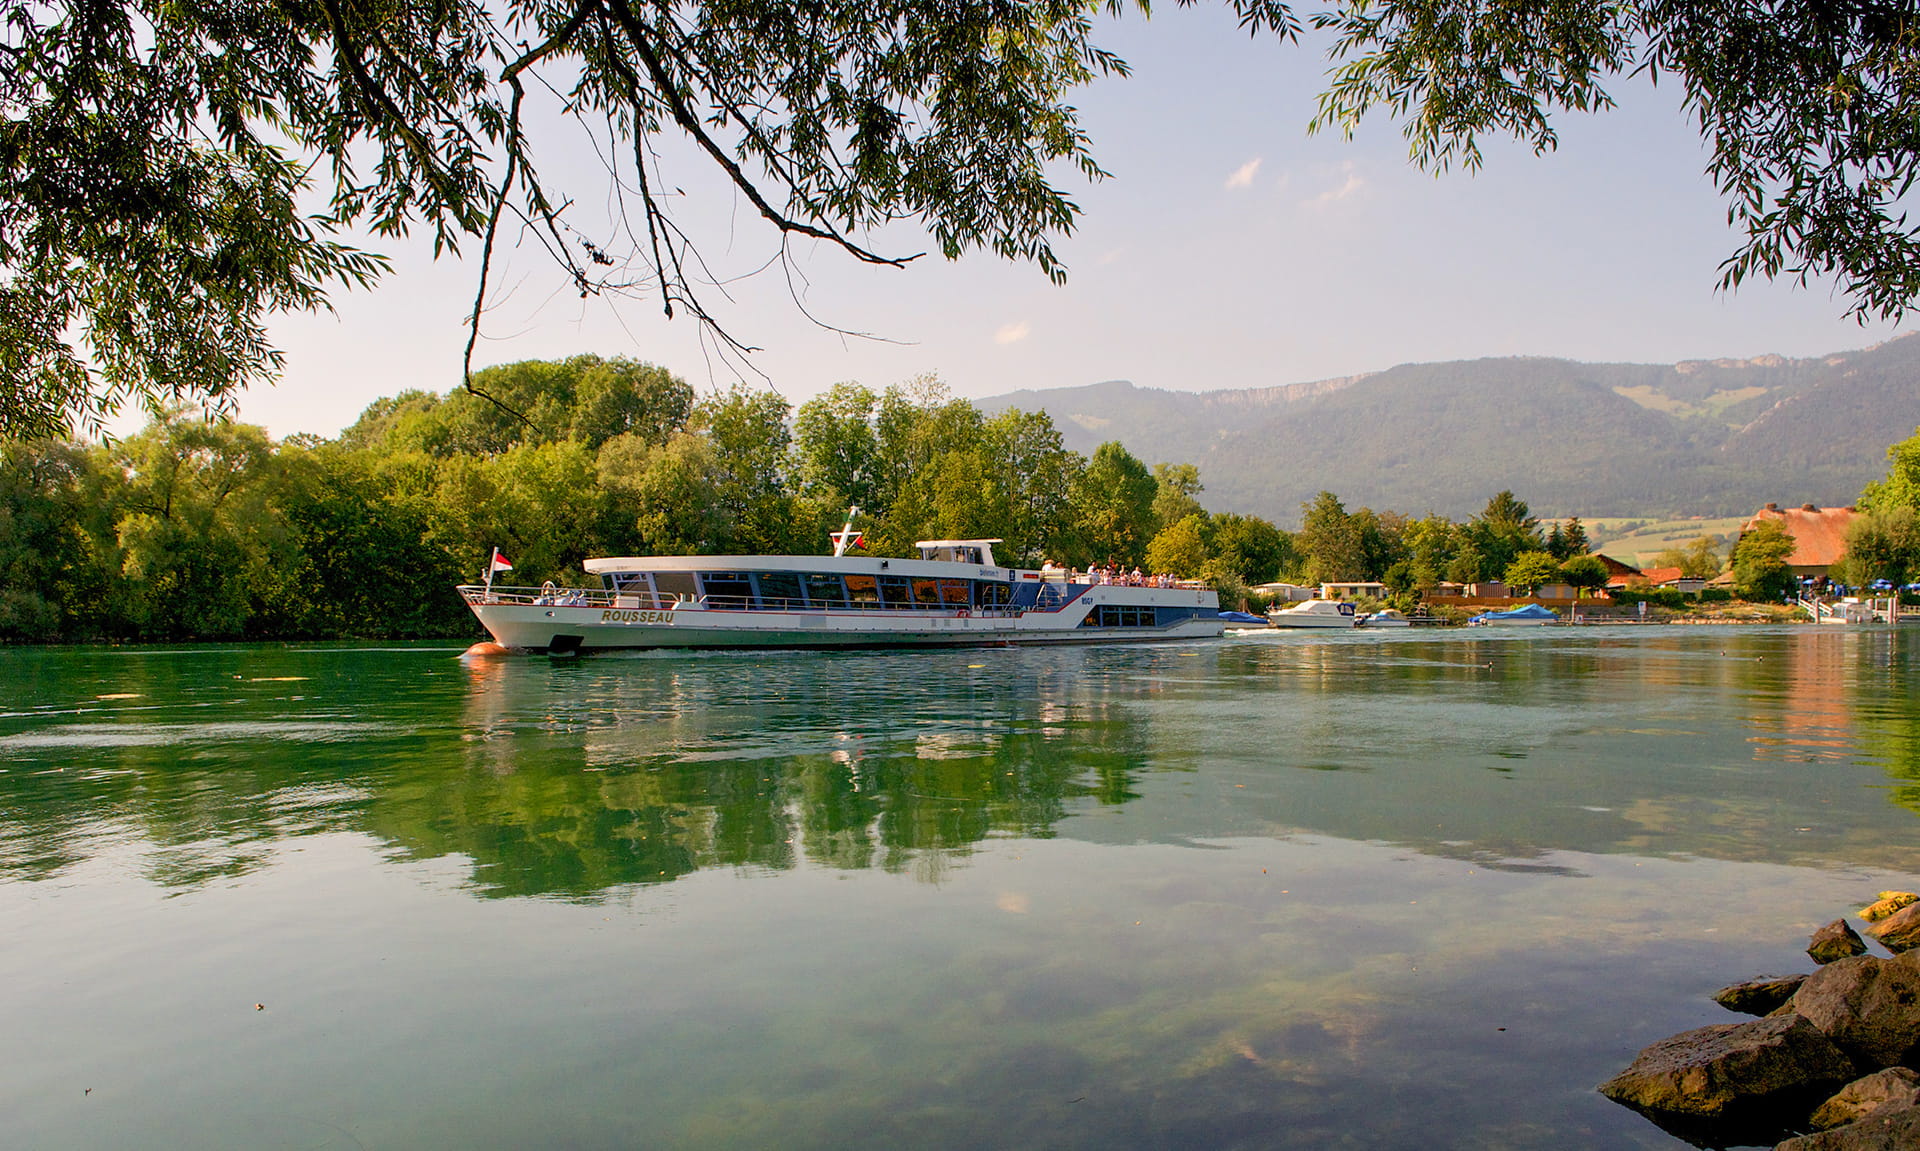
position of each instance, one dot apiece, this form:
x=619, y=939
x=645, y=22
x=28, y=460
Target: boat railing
x=646, y=601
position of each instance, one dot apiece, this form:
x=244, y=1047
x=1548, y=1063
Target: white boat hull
x=1315, y=613
x=538, y=627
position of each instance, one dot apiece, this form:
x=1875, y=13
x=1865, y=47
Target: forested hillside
x=1697, y=438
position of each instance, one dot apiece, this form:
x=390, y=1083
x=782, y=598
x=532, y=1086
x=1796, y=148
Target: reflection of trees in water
x=570, y=780
x=1889, y=726
x=183, y=761
x=642, y=771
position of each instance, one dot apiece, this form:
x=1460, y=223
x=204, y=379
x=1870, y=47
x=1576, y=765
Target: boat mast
x=846, y=537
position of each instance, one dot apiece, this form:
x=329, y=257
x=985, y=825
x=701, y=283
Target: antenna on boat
x=846, y=537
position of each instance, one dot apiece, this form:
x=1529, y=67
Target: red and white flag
x=498, y=563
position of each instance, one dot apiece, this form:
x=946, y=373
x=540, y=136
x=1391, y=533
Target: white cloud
x=1012, y=333
x=1351, y=183
x=1243, y=176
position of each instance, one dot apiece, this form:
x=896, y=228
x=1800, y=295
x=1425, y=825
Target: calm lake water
x=1284, y=891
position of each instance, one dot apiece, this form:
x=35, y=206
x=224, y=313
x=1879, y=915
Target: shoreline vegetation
x=198, y=529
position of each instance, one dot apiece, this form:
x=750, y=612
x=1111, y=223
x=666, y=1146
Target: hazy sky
x=1228, y=250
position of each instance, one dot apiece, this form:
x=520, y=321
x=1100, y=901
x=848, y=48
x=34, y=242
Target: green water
x=1391, y=891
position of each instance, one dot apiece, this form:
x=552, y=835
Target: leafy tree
x=1114, y=506
x=1251, y=549
x=1760, y=570
x=1039, y=476
x=1178, y=485
x=1901, y=487
x=1433, y=548
x=672, y=490
x=203, y=546
x=1331, y=540
x=836, y=448
x=1381, y=540
x=1529, y=570
x=747, y=431
x=1700, y=559
x=156, y=156
x=1884, y=546
x=1502, y=531
x=53, y=511
x=1181, y=549
x=1584, y=571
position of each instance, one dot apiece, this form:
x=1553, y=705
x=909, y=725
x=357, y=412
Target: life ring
x=548, y=588
x=961, y=614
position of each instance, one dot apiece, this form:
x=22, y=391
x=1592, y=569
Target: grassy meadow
x=1638, y=539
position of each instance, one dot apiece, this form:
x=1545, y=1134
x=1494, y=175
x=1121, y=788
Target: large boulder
x=1759, y=996
x=1891, y=1089
x=1836, y=940
x=1899, y=1131
x=1888, y=903
x=1731, y=1069
x=1868, y=1006
x=1899, y=931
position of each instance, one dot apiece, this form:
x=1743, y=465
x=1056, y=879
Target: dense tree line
x=207, y=529
x=198, y=529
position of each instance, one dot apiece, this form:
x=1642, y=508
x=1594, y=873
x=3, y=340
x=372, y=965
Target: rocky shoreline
x=1827, y=1066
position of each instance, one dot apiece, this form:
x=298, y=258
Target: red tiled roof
x=1658, y=576
x=1819, y=534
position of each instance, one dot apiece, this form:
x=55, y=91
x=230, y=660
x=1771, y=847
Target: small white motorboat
x=1314, y=613
x=1385, y=617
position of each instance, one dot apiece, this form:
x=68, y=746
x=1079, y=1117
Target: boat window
x=953, y=593
x=727, y=589
x=1114, y=615
x=780, y=591
x=995, y=594
x=632, y=589
x=824, y=591
x=894, y=591
x=675, y=586
x=863, y=591
x=926, y=592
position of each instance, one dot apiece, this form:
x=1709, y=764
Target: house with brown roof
x=1619, y=573
x=1819, y=535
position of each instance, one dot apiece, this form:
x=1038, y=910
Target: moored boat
x=1527, y=615
x=953, y=594
x=1385, y=617
x=1314, y=613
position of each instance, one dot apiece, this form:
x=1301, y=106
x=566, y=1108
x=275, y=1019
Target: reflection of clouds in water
x=102, y=735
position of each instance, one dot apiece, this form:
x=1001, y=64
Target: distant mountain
x=1702, y=437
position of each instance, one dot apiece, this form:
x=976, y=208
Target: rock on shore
x=1845, y=1034
x=1710, y=1072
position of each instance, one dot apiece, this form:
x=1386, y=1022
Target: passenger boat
x=1314, y=613
x=954, y=594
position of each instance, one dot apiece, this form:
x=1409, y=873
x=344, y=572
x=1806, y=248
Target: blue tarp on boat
x=1243, y=617
x=1524, y=612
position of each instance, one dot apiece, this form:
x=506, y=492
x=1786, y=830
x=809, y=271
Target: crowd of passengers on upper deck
x=1109, y=575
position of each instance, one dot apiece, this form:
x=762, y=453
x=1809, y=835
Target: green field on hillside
x=1637, y=540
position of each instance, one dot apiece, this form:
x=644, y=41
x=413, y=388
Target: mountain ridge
x=1695, y=437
